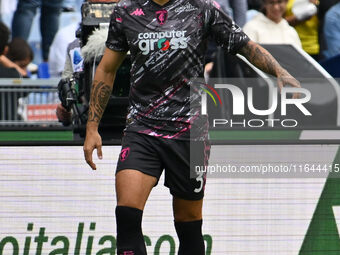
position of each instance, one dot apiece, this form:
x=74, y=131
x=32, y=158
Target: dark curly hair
x=19, y=50
x=4, y=37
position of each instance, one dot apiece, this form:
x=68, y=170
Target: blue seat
x=42, y=97
x=332, y=66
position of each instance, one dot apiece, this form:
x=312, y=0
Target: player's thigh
x=187, y=210
x=133, y=188
x=138, y=169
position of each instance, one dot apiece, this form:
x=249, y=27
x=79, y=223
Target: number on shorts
x=199, y=179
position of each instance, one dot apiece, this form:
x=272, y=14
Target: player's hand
x=286, y=79
x=63, y=115
x=92, y=141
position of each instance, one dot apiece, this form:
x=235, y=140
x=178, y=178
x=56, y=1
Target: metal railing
x=28, y=102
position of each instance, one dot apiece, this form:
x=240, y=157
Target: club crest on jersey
x=161, y=16
x=124, y=154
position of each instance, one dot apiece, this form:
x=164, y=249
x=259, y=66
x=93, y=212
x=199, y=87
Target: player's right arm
x=100, y=94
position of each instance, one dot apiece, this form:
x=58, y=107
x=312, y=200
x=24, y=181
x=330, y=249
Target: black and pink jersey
x=167, y=45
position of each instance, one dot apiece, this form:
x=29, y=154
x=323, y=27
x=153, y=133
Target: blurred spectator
x=57, y=55
x=49, y=20
x=270, y=27
x=302, y=15
x=6, y=71
x=323, y=8
x=254, y=7
x=72, y=5
x=7, y=99
x=237, y=9
x=332, y=32
x=7, y=9
x=69, y=6
x=20, y=53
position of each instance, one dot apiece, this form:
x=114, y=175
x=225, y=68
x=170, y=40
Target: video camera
x=75, y=92
x=72, y=99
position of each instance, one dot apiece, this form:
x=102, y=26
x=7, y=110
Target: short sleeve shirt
x=167, y=45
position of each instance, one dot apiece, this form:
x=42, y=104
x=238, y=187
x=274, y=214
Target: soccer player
x=167, y=41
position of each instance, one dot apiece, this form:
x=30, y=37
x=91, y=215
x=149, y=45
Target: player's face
x=275, y=9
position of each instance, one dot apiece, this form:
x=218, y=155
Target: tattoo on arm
x=99, y=97
x=262, y=59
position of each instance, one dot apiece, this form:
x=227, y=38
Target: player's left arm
x=263, y=60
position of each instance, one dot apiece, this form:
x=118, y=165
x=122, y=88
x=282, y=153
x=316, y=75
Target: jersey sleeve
x=116, y=39
x=224, y=30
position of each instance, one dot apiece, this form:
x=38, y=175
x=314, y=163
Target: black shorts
x=151, y=155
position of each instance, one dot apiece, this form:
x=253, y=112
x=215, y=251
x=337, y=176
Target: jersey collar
x=153, y=3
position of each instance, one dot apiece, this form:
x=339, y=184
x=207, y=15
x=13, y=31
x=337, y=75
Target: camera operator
x=74, y=65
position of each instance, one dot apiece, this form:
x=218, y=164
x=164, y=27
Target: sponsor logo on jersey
x=161, y=16
x=119, y=20
x=169, y=40
x=186, y=8
x=137, y=12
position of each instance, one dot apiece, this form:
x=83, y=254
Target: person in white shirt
x=58, y=49
x=269, y=27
